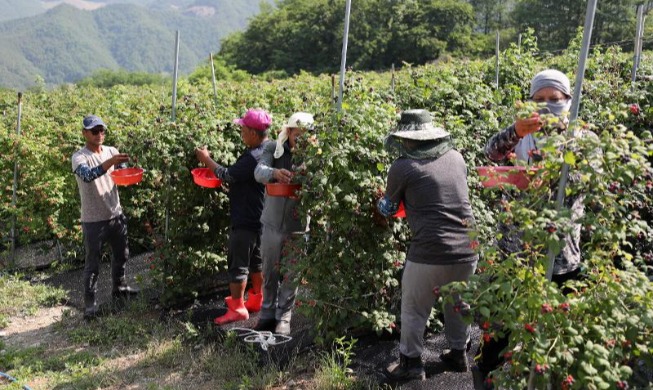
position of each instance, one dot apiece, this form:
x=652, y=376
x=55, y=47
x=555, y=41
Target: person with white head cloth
x=523, y=138
x=281, y=225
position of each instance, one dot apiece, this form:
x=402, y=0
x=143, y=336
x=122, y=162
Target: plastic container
x=204, y=177
x=401, y=212
x=283, y=190
x=127, y=176
x=501, y=176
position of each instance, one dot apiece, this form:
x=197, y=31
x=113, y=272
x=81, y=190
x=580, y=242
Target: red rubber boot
x=236, y=311
x=254, y=301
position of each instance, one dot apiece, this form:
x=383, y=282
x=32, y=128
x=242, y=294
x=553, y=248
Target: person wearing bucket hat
x=523, y=138
x=430, y=178
x=245, y=204
x=281, y=226
x=101, y=214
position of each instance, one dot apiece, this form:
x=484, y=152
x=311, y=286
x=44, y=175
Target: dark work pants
x=489, y=354
x=113, y=231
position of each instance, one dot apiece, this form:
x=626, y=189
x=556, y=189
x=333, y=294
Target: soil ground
x=371, y=353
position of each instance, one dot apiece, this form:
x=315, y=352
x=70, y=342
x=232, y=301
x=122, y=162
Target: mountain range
x=64, y=41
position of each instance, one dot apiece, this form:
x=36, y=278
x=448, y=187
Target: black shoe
x=265, y=325
x=456, y=359
x=91, y=313
x=91, y=308
x=125, y=292
x=481, y=379
x=406, y=369
x=282, y=328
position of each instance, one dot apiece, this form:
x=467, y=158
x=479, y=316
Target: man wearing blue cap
x=102, y=218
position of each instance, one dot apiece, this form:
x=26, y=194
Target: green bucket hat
x=417, y=125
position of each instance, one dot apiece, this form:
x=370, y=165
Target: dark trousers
x=113, y=231
x=489, y=354
x=244, y=254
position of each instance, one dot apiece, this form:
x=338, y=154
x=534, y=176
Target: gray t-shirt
x=435, y=195
x=100, y=201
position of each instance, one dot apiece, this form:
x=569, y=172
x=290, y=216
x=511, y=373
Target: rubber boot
x=406, y=369
x=236, y=311
x=254, y=301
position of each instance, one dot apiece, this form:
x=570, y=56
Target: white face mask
x=559, y=107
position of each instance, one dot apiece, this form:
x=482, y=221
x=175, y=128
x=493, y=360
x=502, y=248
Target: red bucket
x=127, y=176
x=502, y=175
x=204, y=177
x=283, y=190
x=401, y=212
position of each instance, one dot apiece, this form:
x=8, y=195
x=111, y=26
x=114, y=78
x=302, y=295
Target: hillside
x=65, y=43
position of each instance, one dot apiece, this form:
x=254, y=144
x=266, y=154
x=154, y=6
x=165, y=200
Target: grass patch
x=130, y=347
x=20, y=297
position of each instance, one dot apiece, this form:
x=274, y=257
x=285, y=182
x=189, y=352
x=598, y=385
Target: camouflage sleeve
x=502, y=143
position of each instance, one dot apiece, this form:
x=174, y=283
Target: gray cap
x=551, y=78
x=417, y=125
x=92, y=121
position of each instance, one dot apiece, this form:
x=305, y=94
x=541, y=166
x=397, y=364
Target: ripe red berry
x=529, y=328
x=568, y=381
x=564, y=307
x=436, y=291
x=634, y=109
x=546, y=308
x=550, y=227
x=622, y=385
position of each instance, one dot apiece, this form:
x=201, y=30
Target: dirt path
x=35, y=331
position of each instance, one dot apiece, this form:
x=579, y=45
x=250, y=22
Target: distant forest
x=307, y=34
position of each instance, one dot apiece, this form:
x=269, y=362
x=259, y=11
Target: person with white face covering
x=549, y=86
x=522, y=138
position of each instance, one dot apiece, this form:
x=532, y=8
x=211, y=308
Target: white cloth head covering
x=551, y=78
x=298, y=119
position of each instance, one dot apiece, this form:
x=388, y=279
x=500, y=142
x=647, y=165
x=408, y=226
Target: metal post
x=573, y=116
x=343, y=60
x=392, y=80
x=496, y=78
x=519, y=42
x=174, y=79
x=15, y=186
x=173, y=118
x=638, y=42
x=215, y=90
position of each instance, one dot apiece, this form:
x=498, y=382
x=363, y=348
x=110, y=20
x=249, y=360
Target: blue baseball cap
x=92, y=121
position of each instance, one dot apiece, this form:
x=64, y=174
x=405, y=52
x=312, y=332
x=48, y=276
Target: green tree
x=491, y=14
x=307, y=34
x=555, y=21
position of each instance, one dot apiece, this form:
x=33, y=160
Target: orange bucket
x=283, y=190
x=204, y=177
x=501, y=175
x=127, y=176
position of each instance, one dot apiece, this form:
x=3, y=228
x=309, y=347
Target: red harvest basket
x=284, y=190
x=204, y=177
x=127, y=176
x=401, y=212
x=501, y=175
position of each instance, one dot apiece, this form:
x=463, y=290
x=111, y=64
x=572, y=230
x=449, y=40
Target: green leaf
x=380, y=167
x=570, y=159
